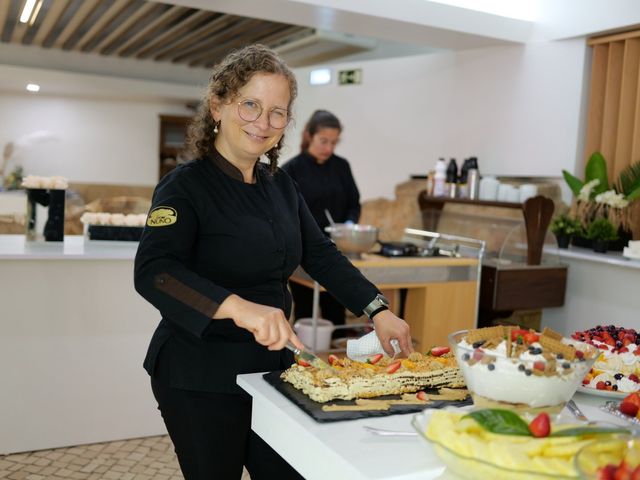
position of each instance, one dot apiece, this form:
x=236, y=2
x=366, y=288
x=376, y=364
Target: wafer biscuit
x=508, y=342
x=486, y=333
x=548, y=332
x=556, y=346
x=351, y=408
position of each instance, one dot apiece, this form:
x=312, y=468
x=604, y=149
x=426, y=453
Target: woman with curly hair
x=223, y=235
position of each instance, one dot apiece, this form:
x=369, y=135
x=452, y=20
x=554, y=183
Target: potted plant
x=601, y=231
x=564, y=227
x=596, y=198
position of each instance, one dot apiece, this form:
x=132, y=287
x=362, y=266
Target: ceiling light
x=30, y=11
x=320, y=76
x=33, y=87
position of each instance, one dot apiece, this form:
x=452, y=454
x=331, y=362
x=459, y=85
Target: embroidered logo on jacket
x=162, y=216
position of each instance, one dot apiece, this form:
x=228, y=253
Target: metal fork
x=573, y=408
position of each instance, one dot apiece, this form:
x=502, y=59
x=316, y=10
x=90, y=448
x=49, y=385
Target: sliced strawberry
x=579, y=354
x=393, y=366
x=539, y=365
x=636, y=473
x=531, y=337
x=629, y=408
x=375, y=359
x=439, y=351
x=422, y=395
x=478, y=354
x=601, y=385
x=633, y=377
x=541, y=425
x=633, y=398
x=518, y=332
x=302, y=363
x=332, y=359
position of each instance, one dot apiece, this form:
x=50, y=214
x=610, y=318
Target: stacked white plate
x=633, y=250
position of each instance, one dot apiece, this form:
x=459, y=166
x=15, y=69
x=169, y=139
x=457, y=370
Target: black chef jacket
x=327, y=186
x=208, y=235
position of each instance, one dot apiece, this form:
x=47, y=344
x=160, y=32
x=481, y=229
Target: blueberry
x=491, y=366
x=478, y=344
x=560, y=356
x=527, y=372
x=521, y=367
x=615, y=387
x=619, y=344
x=607, y=383
x=566, y=365
x=466, y=357
x=618, y=376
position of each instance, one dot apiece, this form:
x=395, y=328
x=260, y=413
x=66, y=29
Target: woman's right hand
x=268, y=324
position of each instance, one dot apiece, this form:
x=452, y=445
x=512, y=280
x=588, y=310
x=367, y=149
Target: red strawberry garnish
x=632, y=398
x=531, y=337
x=332, y=359
x=422, y=395
x=579, y=354
x=375, y=359
x=539, y=365
x=438, y=351
x=633, y=377
x=541, y=425
x=601, y=385
x=302, y=363
x=393, y=366
x=629, y=408
x=478, y=354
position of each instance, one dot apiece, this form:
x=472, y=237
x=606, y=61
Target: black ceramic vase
x=54, y=226
x=563, y=241
x=600, y=246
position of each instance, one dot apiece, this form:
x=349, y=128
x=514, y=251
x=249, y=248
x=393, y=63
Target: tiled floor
x=150, y=458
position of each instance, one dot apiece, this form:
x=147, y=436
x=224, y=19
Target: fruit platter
x=616, y=371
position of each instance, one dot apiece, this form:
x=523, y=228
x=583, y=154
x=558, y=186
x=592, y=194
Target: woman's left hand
x=388, y=327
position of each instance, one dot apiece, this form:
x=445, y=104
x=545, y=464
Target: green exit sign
x=350, y=77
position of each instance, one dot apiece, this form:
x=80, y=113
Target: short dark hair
x=319, y=119
x=227, y=78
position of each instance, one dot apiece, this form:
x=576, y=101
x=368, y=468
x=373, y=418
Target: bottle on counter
x=463, y=191
x=473, y=183
x=452, y=178
x=439, y=179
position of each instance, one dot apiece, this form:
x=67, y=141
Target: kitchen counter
x=344, y=449
x=73, y=334
x=441, y=297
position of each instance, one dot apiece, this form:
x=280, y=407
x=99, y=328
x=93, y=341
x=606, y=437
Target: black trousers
x=212, y=435
x=331, y=309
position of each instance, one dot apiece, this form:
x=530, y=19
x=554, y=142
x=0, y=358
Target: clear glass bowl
x=529, y=384
x=474, y=468
x=594, y=457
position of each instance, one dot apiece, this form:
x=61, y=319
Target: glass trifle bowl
x=529, y=376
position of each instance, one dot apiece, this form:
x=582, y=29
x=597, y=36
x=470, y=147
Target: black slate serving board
x=314, y=409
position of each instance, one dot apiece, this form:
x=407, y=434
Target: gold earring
x=215, y=127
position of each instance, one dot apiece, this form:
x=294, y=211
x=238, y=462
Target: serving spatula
x=308, y=357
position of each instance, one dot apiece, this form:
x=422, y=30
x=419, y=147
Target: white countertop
x=579, y=253
x=74, y=247
x=344, y=450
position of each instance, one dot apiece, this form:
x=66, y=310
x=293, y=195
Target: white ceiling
x=399, y=27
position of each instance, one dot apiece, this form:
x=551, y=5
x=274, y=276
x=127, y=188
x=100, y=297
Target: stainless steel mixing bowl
x=353, y=239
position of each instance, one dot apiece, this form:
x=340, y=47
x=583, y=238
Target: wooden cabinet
x=173, y=133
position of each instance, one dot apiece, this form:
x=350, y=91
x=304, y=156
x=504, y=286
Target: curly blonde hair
x=227, y=78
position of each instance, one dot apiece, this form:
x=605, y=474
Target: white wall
x=517, y=108
x=96, y=140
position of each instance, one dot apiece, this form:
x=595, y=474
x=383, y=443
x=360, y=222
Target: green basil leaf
x=579, y=431
x=496, y=420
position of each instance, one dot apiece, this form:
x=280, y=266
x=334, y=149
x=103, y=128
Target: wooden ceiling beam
x=120, y=30
x=19, y=31
x=87, y=7
x=230, y=41
x=4, y=13
x=138, y=40
x=199, y=35
x=172, y=34
x=116, y=8
x=277, y=37
x=54, y=13
x=196, y=50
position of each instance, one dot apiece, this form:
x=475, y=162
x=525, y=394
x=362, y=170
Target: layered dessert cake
x=617, y=367
x=522, y=369
x=379, y=375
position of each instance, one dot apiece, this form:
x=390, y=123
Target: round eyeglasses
x=250, y=111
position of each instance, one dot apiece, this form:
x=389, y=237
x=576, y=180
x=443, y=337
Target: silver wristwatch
x=377, y=305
